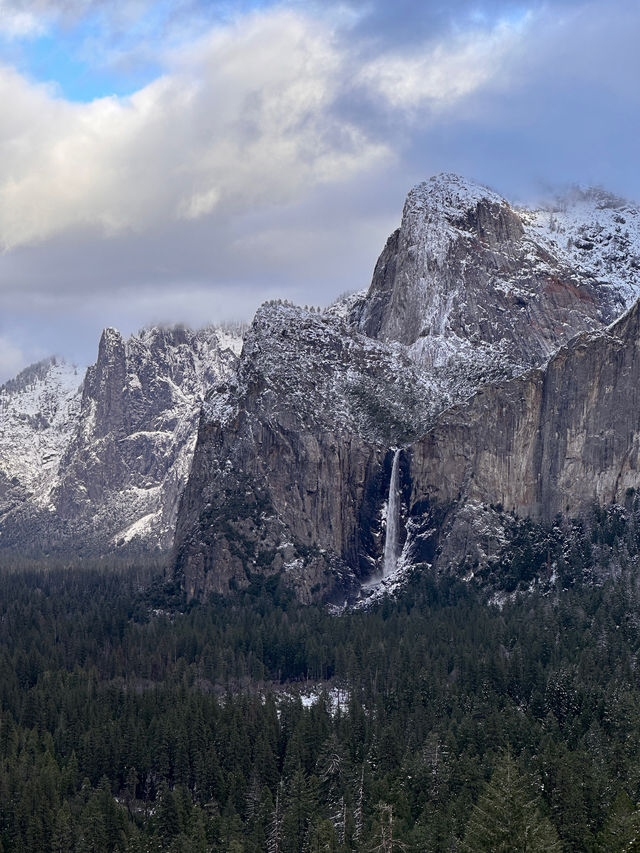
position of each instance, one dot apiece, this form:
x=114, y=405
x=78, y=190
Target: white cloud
x=15, y=22
x=442, y=73
x=243, y=118
x=31, y=18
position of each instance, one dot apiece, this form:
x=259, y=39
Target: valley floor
x=132, y=722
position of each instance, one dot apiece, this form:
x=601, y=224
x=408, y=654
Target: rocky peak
x=448, y=202
x=463, y=260
x=123, y=455
x=105, y=382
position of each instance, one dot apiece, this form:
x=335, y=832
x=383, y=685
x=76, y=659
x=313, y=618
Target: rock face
x=468, y=280
x=124, y=444
x=291, y=466
x=550, y=442
x=483, y=349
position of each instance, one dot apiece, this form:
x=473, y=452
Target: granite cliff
x=472, y=284
x=487, y=348
x=292, y=466
x=552, y=442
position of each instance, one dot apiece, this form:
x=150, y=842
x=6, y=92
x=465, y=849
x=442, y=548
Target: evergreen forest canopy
x=131, y=721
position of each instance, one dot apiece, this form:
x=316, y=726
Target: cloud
x=15, y=22
x=446, y=71
x=243, y=118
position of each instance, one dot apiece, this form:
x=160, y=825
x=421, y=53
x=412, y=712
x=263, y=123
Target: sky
x=181, y=161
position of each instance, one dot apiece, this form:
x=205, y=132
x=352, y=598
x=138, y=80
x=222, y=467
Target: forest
x=453, y=718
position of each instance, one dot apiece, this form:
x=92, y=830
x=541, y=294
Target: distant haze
x=184, y=161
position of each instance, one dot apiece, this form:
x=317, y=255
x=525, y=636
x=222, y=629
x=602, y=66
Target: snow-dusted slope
x=39, y=412
x=290, y=468
x=470, y=283
x=595, y=233
x=102, y=469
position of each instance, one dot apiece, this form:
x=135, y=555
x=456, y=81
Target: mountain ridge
x=273, y=458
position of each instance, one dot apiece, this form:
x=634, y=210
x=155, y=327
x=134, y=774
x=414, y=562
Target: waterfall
x=391, y=538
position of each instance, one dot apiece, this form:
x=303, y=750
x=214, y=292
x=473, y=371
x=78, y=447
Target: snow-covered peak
x=228, y=336
x=38, y=414
x=97, y=459
x=449, y=195
x=468, y=275
x=447, y=208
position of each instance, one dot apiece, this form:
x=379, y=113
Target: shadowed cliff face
x=552, y=441
x=291, y=467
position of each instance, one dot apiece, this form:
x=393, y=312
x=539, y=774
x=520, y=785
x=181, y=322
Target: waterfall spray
x=393, y=508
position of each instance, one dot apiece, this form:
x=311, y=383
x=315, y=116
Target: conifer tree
x=274, y=838
x=507, y=819
x=621, y=831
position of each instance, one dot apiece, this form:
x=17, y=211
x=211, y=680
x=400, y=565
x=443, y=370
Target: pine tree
x=358, y=820
x=506, y=818
x=168, y=815
x=274, y=838
x=63, y=830
x=386, y=842
x=621, y=831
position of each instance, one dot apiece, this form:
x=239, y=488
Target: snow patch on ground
x=139, y=529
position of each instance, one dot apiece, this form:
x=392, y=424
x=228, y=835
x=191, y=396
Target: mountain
x=122, y=443
x=484, y=360
x=39, y=411
x=472, y=284
x=292, y=468
x=288, y=473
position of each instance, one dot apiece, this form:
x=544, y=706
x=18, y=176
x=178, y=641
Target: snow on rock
x=39, y=412
x=84, y=469
x=594, y=232
x=474, y=286
x=141, y=528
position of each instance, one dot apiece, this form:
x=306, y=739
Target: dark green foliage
x=131, y=722
x=563, y=553
x=507, y=817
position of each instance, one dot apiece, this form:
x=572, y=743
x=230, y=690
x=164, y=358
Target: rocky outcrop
x=291, y=467
x=39, y=412
x=469, y=281
x=292, y=464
